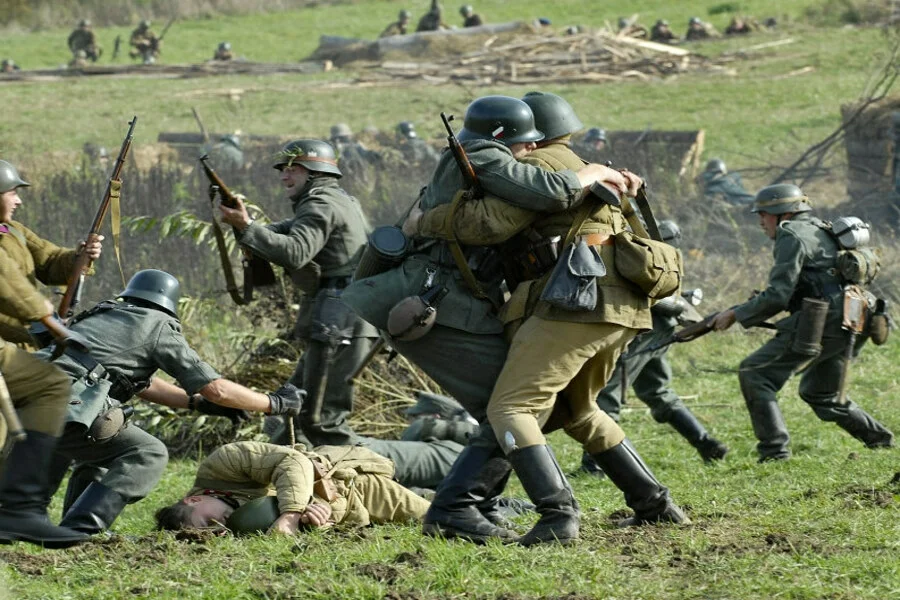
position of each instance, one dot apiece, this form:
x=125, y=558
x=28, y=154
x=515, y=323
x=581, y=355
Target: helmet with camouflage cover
x=9, y=178
x=780, y=199
x=316, y=155
x=156, y=287
x=595, y=134
x=404, y=15
x=716, y=165
x=553, y=116
x=670, y=232
x=466, y=10
x=500, y=118
x=407, y=129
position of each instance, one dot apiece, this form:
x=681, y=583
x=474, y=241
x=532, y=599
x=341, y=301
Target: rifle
x=257, y=271
x=854, y=321
x=465, y=167
x=157, y=41
x=116, y=46
x=82, y=261
x=693, y=331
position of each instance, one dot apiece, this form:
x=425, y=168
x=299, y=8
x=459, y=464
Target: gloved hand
x=202, y=405
x=286, y=400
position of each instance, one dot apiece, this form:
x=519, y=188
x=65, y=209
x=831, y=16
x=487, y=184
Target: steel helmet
x=500, y=118
x=405, y=15
x=466, y=10
x=156, y=287
x=407, y=129
x=553, y=116
x=9, y=178
x=716, y=165
x=595, y=134
x=316, y=155
x=670, y=232
x=84, y=23
x=780, y=199
x=340, y=130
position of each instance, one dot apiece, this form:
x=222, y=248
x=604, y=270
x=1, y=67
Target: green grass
x=823, y=525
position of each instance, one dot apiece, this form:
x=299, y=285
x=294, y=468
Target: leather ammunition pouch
x=810, y=327
x=573, y=283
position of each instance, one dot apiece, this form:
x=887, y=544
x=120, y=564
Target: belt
x=598, y=239
x=95, y=371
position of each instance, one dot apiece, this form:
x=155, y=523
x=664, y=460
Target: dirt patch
x=379, y=572
x=413, y=560
x=857, y=497
x=29, y=564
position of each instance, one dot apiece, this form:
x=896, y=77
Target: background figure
x=84, y=39
x=660, y=32
x=698, y=30
x=227, y=152
x=719, y=184
x=358, y=164
x=433, y=20
x=416, y=151
x=629, y=28
x=223, y=52
x=9, y=66
x=470, y=17
x=398, y=27
x=145, y=44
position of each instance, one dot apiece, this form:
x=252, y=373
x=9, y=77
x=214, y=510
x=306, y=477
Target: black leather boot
x=547, y=487
x=590, y=467
x=454, y=511
x=684, y=422
x=647, y=497
x=23, y=496
x=94, y=510
x=866, y=429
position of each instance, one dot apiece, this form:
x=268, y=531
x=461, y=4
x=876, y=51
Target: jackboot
x=647, y=497
x=23, y=496
x=548, y=488
x=770, y=430
x=590, y=467
x=866, y=429
x=94, y=510
x=684, y=422
x=454, y=511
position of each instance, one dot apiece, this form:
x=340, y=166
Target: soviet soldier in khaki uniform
x=433, y=20
x=131, y=338
x=465, y=349
x=319, y=247
x=805, y=267
x=582, y=346
x=145, y=44
x=331, y=485
x=84, y=39
x=39, y=392
x=398, y=27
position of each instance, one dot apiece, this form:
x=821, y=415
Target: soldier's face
x=293, y=178
x=9, y=202
x=207, y=511
x=769, y=224
x=522, y=149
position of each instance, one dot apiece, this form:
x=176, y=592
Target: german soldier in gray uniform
x=131, y=338
x=805, y=267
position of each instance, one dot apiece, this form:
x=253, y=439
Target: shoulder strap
x=459, y=257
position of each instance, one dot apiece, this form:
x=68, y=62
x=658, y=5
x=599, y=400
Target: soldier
x=805, y=256
x=9, y=66
x=415, y=150
x=465, y=349
x=358, y=164
x=223, y=52
x=319, y=247
x=342, y=485
x=145, y=43
x=79, y=60
x=131, y=337
x=650, y=374
x=741, y=26
x=595, y=139
x=433, y=20
x=660, y=32
x=227, y=152
x=470, y=17
x=629, y=28
x=698, y=30
x=719, y=184
x=84, y=39
x=398, y=27
x=39, y=391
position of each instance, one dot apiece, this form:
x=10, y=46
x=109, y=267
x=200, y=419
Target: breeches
x=387, y=501
x=39, y=390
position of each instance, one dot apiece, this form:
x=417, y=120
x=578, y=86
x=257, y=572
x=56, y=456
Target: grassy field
x=823, y=525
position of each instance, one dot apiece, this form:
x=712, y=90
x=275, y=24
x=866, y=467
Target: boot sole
x=436, y=530
x=52, y=544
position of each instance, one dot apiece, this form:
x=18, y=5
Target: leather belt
x=598, y=239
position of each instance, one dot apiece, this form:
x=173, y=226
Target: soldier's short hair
x=174, y=517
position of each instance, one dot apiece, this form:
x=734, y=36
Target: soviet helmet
x=316, y=155
x=466, y=10
x=779, y=199
x=407, y=129
x=339, y=130
x=670, y=232
x=623, y=23
x=501, y=118
x=156, y=287
x=404, y=15
x=716, y=165
x=553, y=116
x=255, y=516
x=595, y=134
x=9, y=178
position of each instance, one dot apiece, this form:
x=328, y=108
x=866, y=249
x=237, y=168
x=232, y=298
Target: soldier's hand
x=411, y=224
x=594, y=172
x=287, y=524
x=237, y=217
x=92, y=246
x=724, y=320
x=633, y=182
x=204, y=406
x=286, y=400
x=316, y=515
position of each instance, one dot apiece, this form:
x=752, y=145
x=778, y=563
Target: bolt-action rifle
x=695, y=330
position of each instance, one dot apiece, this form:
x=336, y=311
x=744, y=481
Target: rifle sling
x=115, y=222
x=230, y=283
x=649, y=221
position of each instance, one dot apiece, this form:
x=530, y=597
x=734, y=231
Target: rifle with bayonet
x=110, y=200
x=257, y=270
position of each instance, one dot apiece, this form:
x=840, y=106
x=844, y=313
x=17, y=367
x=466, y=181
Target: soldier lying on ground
x=346, y=485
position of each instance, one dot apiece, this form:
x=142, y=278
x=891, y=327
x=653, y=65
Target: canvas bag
x=654, y=266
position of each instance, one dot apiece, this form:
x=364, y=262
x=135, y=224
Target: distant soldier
x=356, y=162
x=398, y=27
x=415, y=150
x=433, y=20
x=9, y=66
x=79, y=60
x=84, y=39
x=698, y=30
x=660, y=32
x=145, y=44
x=471, y=18
x=740, y=26
x=628, y=28
x=718, y=183
x=223, y=52
x=594, y=141
x=227, y=152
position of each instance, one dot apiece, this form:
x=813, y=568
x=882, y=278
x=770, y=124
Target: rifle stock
x=462, y=159
x=82, y=260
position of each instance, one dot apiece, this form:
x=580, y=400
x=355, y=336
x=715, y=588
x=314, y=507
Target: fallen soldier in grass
x=249, y=487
